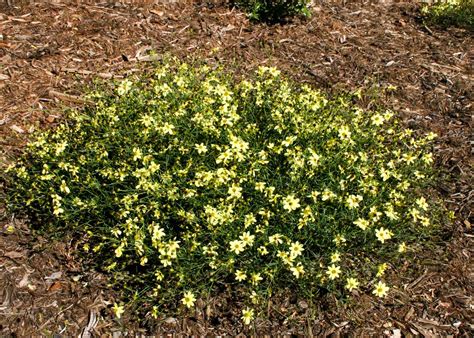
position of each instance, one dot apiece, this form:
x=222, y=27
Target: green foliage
x=185, y=181
x=273, y=10
x=451, y=13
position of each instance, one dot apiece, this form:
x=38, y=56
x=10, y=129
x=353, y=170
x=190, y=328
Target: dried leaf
x=17, y=129
x=54, y=275
x=55, y=287
x=14, y=254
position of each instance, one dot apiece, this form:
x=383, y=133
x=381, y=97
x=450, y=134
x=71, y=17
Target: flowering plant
x=183, y=180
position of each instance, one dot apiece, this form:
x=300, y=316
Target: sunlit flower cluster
x=184, y=178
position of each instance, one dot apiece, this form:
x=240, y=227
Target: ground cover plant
x=188, y=180
x=273, y=11
x=451, y=13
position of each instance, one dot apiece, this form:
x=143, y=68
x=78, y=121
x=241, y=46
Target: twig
x=67, y=97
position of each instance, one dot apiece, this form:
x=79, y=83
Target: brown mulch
x=50, y=52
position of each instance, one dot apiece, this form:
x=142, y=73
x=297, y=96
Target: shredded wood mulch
x=50, y=52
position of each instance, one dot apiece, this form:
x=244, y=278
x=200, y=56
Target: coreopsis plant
x=185, y=180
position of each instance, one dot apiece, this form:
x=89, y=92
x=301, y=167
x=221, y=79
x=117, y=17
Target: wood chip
x=17, y=129
x=67, y=97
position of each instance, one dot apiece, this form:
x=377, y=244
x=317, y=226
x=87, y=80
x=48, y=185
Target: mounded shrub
x=450, y=13
x=186, y=181
x=273, y=10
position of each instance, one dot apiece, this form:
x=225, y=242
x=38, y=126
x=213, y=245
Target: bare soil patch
x=50, y=52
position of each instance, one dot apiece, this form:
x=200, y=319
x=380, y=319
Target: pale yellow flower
x=335, y=257
x=344, y=133
x=297, y=270
x=201, y=148
x=247, y=238
x=240, y=275
x=260, y=186
x=247, y=316
x=333, y=271
x=291, y=203
x=362, y=223
x=383, y=234
x=118, y=310
x=262, y=250
x=235, y=191
x=381, y=269
x=256, y=278
x=188, y=299
x=296, y=249
x=237, y=246
x=275, y=239
x=351, y=284
x=339, y=239
x=353, y=201
x=381, y=289
x=377, y=119
x=421, y=202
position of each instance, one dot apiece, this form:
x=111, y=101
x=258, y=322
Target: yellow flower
x=333, y=271
x=275, y=239
x=375, y=214
x=296, y=248
x=262, y=251
x=237, y=246
x=421, y=202
x=425, y=221
x=118, y=310
x=201, y=148
x=297, y=270
x=188, y=299
x=383, y=234
x=409, y=158
x=381, y=289
x=402, y=247
x=427, y=158
x=249, y=220
x=247, y=238
x=344, y=133
x=327, y=195
x=285, y=257
x=314, y=195
x=377, y=120
x=353, y=201
x=288, y=141
x=339, y=239
x=335, y=257
x=362, y=223
x=431, y=136
x=240, y=275
x=235, y=191
x=167, y=128
x=256, y=278
x=254, y=297
x=124, y=87
x=291, y=203
x=64, y=188
x=247, y=315
x=314, y=159
x=238, y=144
x=391, y=213
x=381, y=269
x=351, y=284
x=137, y=154
x=260, y=186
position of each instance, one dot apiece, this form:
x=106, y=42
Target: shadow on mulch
x=49, y=52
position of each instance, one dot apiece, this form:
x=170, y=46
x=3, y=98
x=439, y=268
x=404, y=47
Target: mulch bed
x=50, y=52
